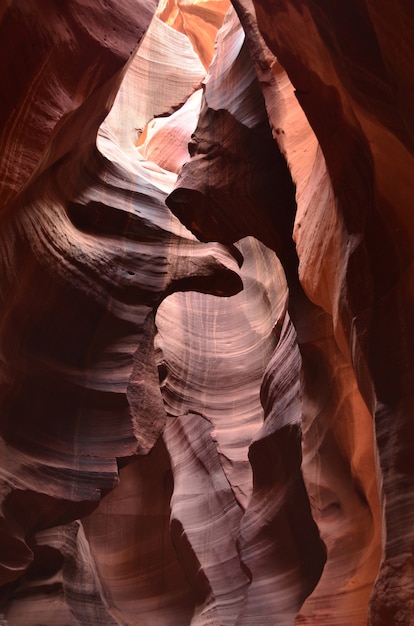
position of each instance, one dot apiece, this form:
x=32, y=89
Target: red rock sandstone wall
x=193, y=432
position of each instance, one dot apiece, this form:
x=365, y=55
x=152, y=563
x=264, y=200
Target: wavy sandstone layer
x=206, y=302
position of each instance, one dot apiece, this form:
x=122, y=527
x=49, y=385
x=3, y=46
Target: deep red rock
x=187, y=438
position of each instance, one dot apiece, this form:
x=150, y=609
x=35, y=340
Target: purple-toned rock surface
x=206, y=304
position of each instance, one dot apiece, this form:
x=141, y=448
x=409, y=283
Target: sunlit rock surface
x=97, y=251
x=206, y=302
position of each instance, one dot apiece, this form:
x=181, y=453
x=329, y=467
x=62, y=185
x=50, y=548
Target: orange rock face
x=206, y=313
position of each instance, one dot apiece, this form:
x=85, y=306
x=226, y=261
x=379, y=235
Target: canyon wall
x=206, y=300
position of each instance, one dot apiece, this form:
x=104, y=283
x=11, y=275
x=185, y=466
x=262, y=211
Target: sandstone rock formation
x=206, y=302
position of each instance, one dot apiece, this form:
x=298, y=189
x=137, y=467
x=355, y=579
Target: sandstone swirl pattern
x=206, y=313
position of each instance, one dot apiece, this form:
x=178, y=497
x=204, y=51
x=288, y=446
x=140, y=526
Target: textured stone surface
x=97, y=251
x=194, y=430
x=357, y=97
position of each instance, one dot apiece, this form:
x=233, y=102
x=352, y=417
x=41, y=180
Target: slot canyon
x=207, y=300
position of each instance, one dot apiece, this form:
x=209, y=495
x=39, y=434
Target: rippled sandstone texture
x=194, y=432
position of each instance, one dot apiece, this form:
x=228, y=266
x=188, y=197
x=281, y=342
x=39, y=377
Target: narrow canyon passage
x=206, y=302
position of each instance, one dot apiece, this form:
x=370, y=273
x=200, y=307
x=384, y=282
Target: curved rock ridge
x=70, y=322
x=193, y=430
x=97, y=251
x=358, y=97
x=212, y=354
x=165, y=55
x=164, y=140
x=64, y=65
x=201, y=491
x=325, y=354
x=201, y=186
x=232, y=140
x=62, y=585
x=279, y=541
x=207, y=473
x=130, y=540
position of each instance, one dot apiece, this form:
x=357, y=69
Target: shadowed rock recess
x=206, y=313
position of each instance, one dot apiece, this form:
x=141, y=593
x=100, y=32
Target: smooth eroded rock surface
x=206, y=304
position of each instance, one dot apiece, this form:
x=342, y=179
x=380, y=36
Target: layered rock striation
x=206, y=294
